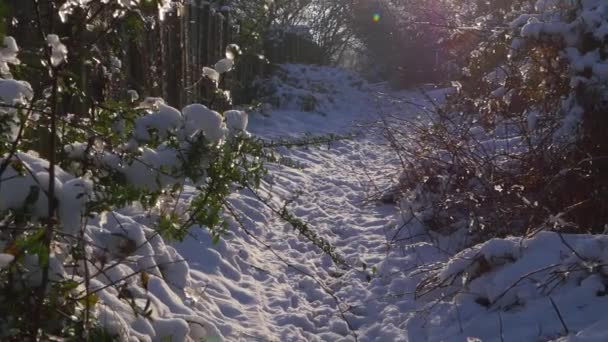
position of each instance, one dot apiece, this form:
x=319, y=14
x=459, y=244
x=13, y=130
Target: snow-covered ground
x=295, y=292
x=264, y=282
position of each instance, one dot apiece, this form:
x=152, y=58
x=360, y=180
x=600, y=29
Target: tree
x=517, y=144
x=327, y=22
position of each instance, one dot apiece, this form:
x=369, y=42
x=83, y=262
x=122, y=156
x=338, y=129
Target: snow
x=232, y=51
x=521, y=20
x=519, y=291
x=28, y=190
x=133, y=95
x=73, y=198
x=151, y=103
x=301, y=90
x=153, y=166
x=596, y=332
x=247, y=293
x=262, y=281
x=569, y=26
x=165, y=120
x=8, y=55
x=168, y=275
x=532, y=120
x=236, y=120
x=15, y=92
x=224, y=65
x=199, y=118
x=146, y=171
x=212, y=74
x=59, y=52
x=5, y=260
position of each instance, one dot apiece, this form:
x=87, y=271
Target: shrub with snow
x=509, y=180
x=518, y=143
x=72, y=266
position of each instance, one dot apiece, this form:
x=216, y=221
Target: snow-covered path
x=265, y=282
x=291, y=292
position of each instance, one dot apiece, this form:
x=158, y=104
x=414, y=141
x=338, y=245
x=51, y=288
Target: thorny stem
x=303, y=228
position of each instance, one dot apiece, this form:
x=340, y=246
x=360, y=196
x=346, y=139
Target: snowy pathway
x=263, y=282
x=250, y=293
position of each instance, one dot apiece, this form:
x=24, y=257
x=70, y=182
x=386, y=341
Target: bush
x=516, y=148
x=63, y=176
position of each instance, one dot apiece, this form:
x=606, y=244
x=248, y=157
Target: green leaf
x=68, y=285
x=92, y=299
x=43, y=253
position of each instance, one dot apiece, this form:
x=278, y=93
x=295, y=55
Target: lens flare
x=376, y=17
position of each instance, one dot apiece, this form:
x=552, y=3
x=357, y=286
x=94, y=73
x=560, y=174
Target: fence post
x=211, y=36
x=183, y=19
x=220, y=36
x=173, y=58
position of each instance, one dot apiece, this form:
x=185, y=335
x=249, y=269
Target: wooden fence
x=193, y=36
x=165, y=58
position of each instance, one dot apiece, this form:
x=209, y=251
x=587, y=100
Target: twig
x=522, y=278
x=502, y=335
x=559, y=315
